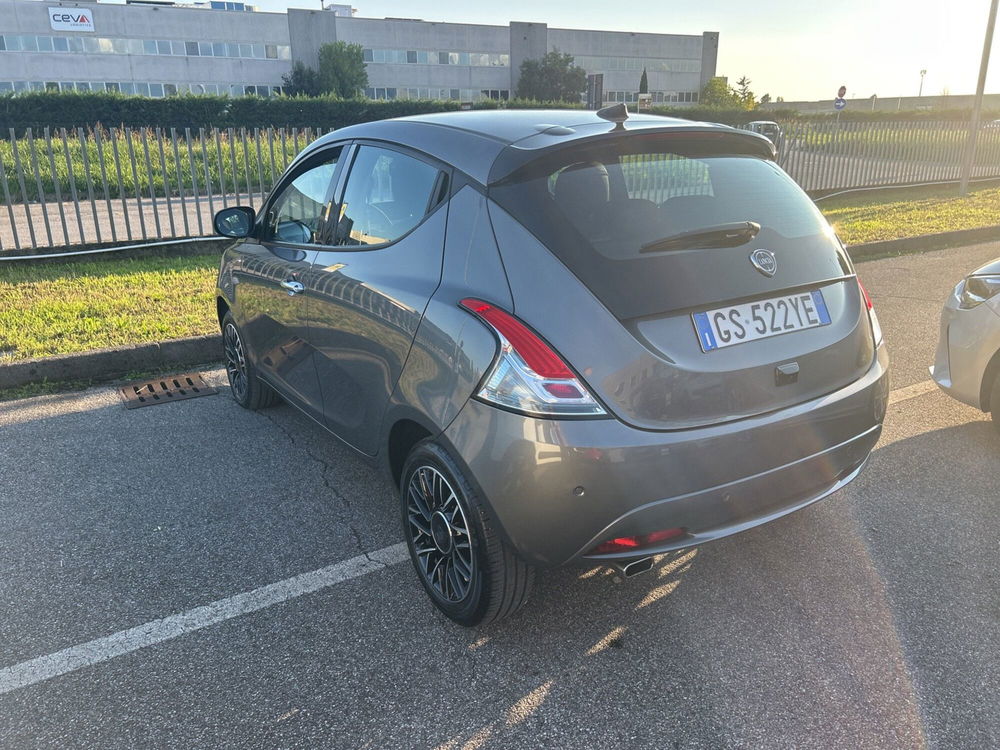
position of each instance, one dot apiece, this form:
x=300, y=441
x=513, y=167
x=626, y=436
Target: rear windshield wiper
x=723, y=235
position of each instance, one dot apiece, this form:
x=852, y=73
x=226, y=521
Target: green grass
x=908, y=212
x=74, y=307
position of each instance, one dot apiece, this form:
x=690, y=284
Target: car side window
x=388, y=193
x=300, y=215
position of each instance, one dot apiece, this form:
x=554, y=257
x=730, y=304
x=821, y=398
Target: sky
x=796, y=49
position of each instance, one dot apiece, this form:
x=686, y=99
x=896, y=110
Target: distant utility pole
x=977, y=107
x=920, y=91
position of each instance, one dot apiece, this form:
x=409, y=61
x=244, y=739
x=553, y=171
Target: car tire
x=470, y=573
x=247, y=388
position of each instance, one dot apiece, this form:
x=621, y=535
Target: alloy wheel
x=236, y=364
x=440, y=533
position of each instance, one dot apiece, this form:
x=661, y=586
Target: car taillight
x=528, y=375
x=876, y=328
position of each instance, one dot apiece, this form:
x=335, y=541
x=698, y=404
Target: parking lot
x=195, y=575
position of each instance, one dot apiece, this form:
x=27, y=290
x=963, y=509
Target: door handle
x=293, y=287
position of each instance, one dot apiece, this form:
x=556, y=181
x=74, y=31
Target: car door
x=369, y=292
x=270, y=293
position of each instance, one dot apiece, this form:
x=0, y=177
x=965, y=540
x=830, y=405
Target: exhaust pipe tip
x=635, y=567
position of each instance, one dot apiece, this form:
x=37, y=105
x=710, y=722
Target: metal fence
x=75, y=187
x=69, y=188
x=827, y=155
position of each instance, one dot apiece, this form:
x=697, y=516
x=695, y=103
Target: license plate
x=728, y=326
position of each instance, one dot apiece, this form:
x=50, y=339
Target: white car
x=967, y=364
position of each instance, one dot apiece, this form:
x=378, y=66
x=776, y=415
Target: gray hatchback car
x=570, y=337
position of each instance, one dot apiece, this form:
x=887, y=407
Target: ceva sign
x=71, y=19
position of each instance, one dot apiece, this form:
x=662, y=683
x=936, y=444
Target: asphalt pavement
x=869, y=620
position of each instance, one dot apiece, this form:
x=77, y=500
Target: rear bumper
x=558, y=488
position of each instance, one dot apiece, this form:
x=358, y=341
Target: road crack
x=342, y=508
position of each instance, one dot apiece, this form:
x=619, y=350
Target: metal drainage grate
x=165, y=390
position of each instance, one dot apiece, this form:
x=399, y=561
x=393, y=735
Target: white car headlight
x=977, y=289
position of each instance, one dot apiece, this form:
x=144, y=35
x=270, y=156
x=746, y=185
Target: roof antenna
x=616, y=113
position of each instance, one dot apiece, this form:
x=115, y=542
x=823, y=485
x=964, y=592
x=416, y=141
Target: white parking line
x=126, y=641
x=911, y=391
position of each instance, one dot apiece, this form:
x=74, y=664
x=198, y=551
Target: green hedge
x=67, y=109
x=70, y=109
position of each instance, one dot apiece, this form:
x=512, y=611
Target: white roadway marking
x=912, y=391
x=126, y=641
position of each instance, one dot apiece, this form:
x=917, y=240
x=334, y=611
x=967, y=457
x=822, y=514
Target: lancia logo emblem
x=764, y=261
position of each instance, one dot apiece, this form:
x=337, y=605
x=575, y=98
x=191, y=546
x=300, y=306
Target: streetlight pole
x=977, y=107
x=920, y=91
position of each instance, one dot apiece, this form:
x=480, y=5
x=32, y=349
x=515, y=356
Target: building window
x=436, y=57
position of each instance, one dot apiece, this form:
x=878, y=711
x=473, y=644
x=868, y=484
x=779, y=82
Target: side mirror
x=236, y=221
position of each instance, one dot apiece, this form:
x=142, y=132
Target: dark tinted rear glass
x=625, y=201
x=599, y=207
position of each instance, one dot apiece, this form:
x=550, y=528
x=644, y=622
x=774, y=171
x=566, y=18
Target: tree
x=718, y=94
x=747, y=98
x=553, y=78
x=643, y=83
x=342, y=69
x=766, y=99
x=301, y=81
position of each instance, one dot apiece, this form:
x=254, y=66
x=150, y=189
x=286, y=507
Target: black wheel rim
x=236, y=364
x=440, y=534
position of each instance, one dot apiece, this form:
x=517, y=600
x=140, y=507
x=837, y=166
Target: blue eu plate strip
x=705, y=335
x=824, y=314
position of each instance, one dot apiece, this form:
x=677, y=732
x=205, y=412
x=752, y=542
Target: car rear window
x=604, y=207
x=623, y=202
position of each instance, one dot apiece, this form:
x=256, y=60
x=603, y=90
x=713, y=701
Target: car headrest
x=582, y=186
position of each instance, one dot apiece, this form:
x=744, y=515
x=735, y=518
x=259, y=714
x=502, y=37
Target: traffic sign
x=839, y=103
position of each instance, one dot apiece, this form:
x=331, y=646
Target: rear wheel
x=247, y=388
x=467, y=569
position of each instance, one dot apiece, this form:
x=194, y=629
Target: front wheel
x=470, y=573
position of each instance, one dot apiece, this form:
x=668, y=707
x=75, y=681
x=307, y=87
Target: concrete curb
x=107, y=364
x=958, y=238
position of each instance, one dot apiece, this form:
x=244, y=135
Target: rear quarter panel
x=452, y=350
